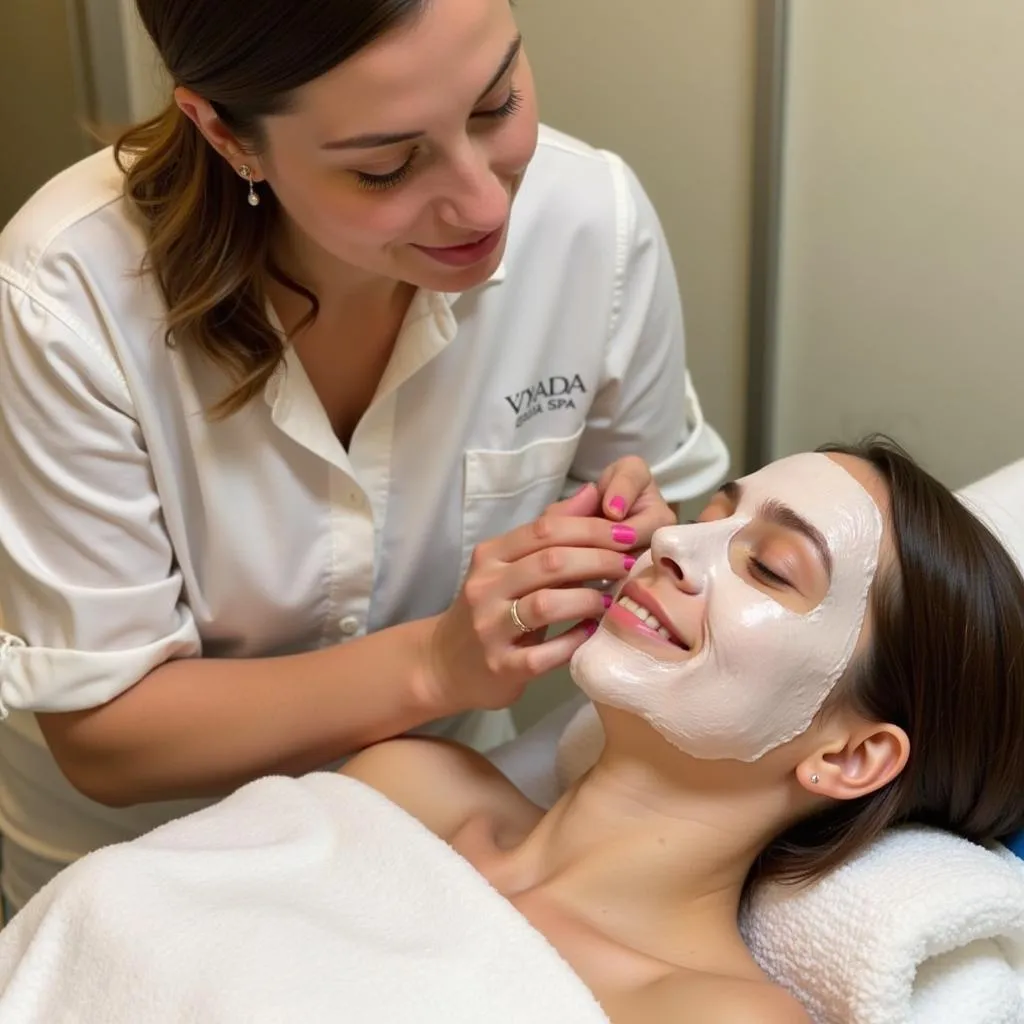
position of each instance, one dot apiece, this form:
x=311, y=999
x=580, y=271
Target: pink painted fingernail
x=623, y=535
x=618, y=505
x=590, y=628
x=608, y=601
x=629, y=563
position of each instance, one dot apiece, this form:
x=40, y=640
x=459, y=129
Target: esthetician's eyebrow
x=375, y=140
x=776, y=512
x=510, y=56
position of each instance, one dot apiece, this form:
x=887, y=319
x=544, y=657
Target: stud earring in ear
x=246, y=172
x=815, y=780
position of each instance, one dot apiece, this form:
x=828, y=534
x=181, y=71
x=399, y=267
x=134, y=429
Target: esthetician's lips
x=465, y=255
x=630, y=615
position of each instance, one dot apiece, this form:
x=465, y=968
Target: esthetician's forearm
x=201, y=727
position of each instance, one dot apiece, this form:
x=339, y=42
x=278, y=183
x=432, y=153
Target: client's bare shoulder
x=443, y=784
x=712, y=999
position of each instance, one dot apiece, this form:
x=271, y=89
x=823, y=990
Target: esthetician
x=280, y=386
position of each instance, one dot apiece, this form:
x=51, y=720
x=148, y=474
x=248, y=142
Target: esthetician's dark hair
x=946, y=664
x=206, y=246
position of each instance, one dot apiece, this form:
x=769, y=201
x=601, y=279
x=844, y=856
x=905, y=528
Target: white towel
x=998, y=499
x=312, y=900
x=922, y=928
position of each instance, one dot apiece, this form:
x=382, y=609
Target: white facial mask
x=763, y=671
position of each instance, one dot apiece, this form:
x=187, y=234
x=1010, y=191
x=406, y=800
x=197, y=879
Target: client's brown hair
x=946, y=664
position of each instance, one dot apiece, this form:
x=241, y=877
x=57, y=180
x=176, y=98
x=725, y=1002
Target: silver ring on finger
x=516, y=621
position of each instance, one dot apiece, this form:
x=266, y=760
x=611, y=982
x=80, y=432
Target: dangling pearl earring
x=246, y=172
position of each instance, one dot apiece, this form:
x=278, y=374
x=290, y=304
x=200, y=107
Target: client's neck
x=640, y=852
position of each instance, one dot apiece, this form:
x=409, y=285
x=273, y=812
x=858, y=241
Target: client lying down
x=837, y=646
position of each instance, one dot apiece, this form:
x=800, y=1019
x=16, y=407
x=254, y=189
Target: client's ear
x=856, y=760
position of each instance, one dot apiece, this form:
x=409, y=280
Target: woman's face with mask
x=731, y=633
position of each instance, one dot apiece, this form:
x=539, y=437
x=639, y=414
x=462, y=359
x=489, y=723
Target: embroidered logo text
x=547, y=395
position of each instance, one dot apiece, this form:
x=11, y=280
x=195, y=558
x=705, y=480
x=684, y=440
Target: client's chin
x=619, y=662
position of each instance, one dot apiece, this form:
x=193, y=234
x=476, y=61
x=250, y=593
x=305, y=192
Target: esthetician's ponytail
x=208, y=248
x=945, y=663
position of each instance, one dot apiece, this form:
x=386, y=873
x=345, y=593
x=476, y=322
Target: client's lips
x=647, y=614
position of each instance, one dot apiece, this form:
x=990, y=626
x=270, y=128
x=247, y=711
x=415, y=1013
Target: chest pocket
x=504, y=489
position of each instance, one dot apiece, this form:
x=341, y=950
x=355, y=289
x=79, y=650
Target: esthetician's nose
x=478, y=199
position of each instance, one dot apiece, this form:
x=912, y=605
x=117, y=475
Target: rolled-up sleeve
x=647, y=404
x=90, y=598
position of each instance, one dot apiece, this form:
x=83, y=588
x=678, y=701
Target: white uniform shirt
x=134, y=529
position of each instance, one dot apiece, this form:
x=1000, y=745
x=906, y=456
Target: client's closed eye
x=766, y=575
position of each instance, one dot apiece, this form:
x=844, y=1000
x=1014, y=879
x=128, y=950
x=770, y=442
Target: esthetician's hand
x=629, y=495
x=478, y=656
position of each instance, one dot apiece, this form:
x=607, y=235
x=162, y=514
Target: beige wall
x=38, y=98
x=148, y=83
x=64, y=64
x=668, y=84
x=902, y=307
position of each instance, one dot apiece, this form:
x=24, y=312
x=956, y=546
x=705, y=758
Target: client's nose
x=674, y=558
x=685, y=581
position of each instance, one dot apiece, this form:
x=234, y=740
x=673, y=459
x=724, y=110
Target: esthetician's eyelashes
x=511, y=106
x=382, y=182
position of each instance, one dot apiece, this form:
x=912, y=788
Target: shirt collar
x=417, y=344
x=496, y=278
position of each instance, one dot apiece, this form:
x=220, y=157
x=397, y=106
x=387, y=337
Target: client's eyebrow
x=374, y=140
x=782, y=515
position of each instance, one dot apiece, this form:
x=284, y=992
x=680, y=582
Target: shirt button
x=349, y=625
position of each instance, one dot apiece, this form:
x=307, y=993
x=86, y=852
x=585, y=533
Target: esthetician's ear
x=215, y=131
x=855, y=761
